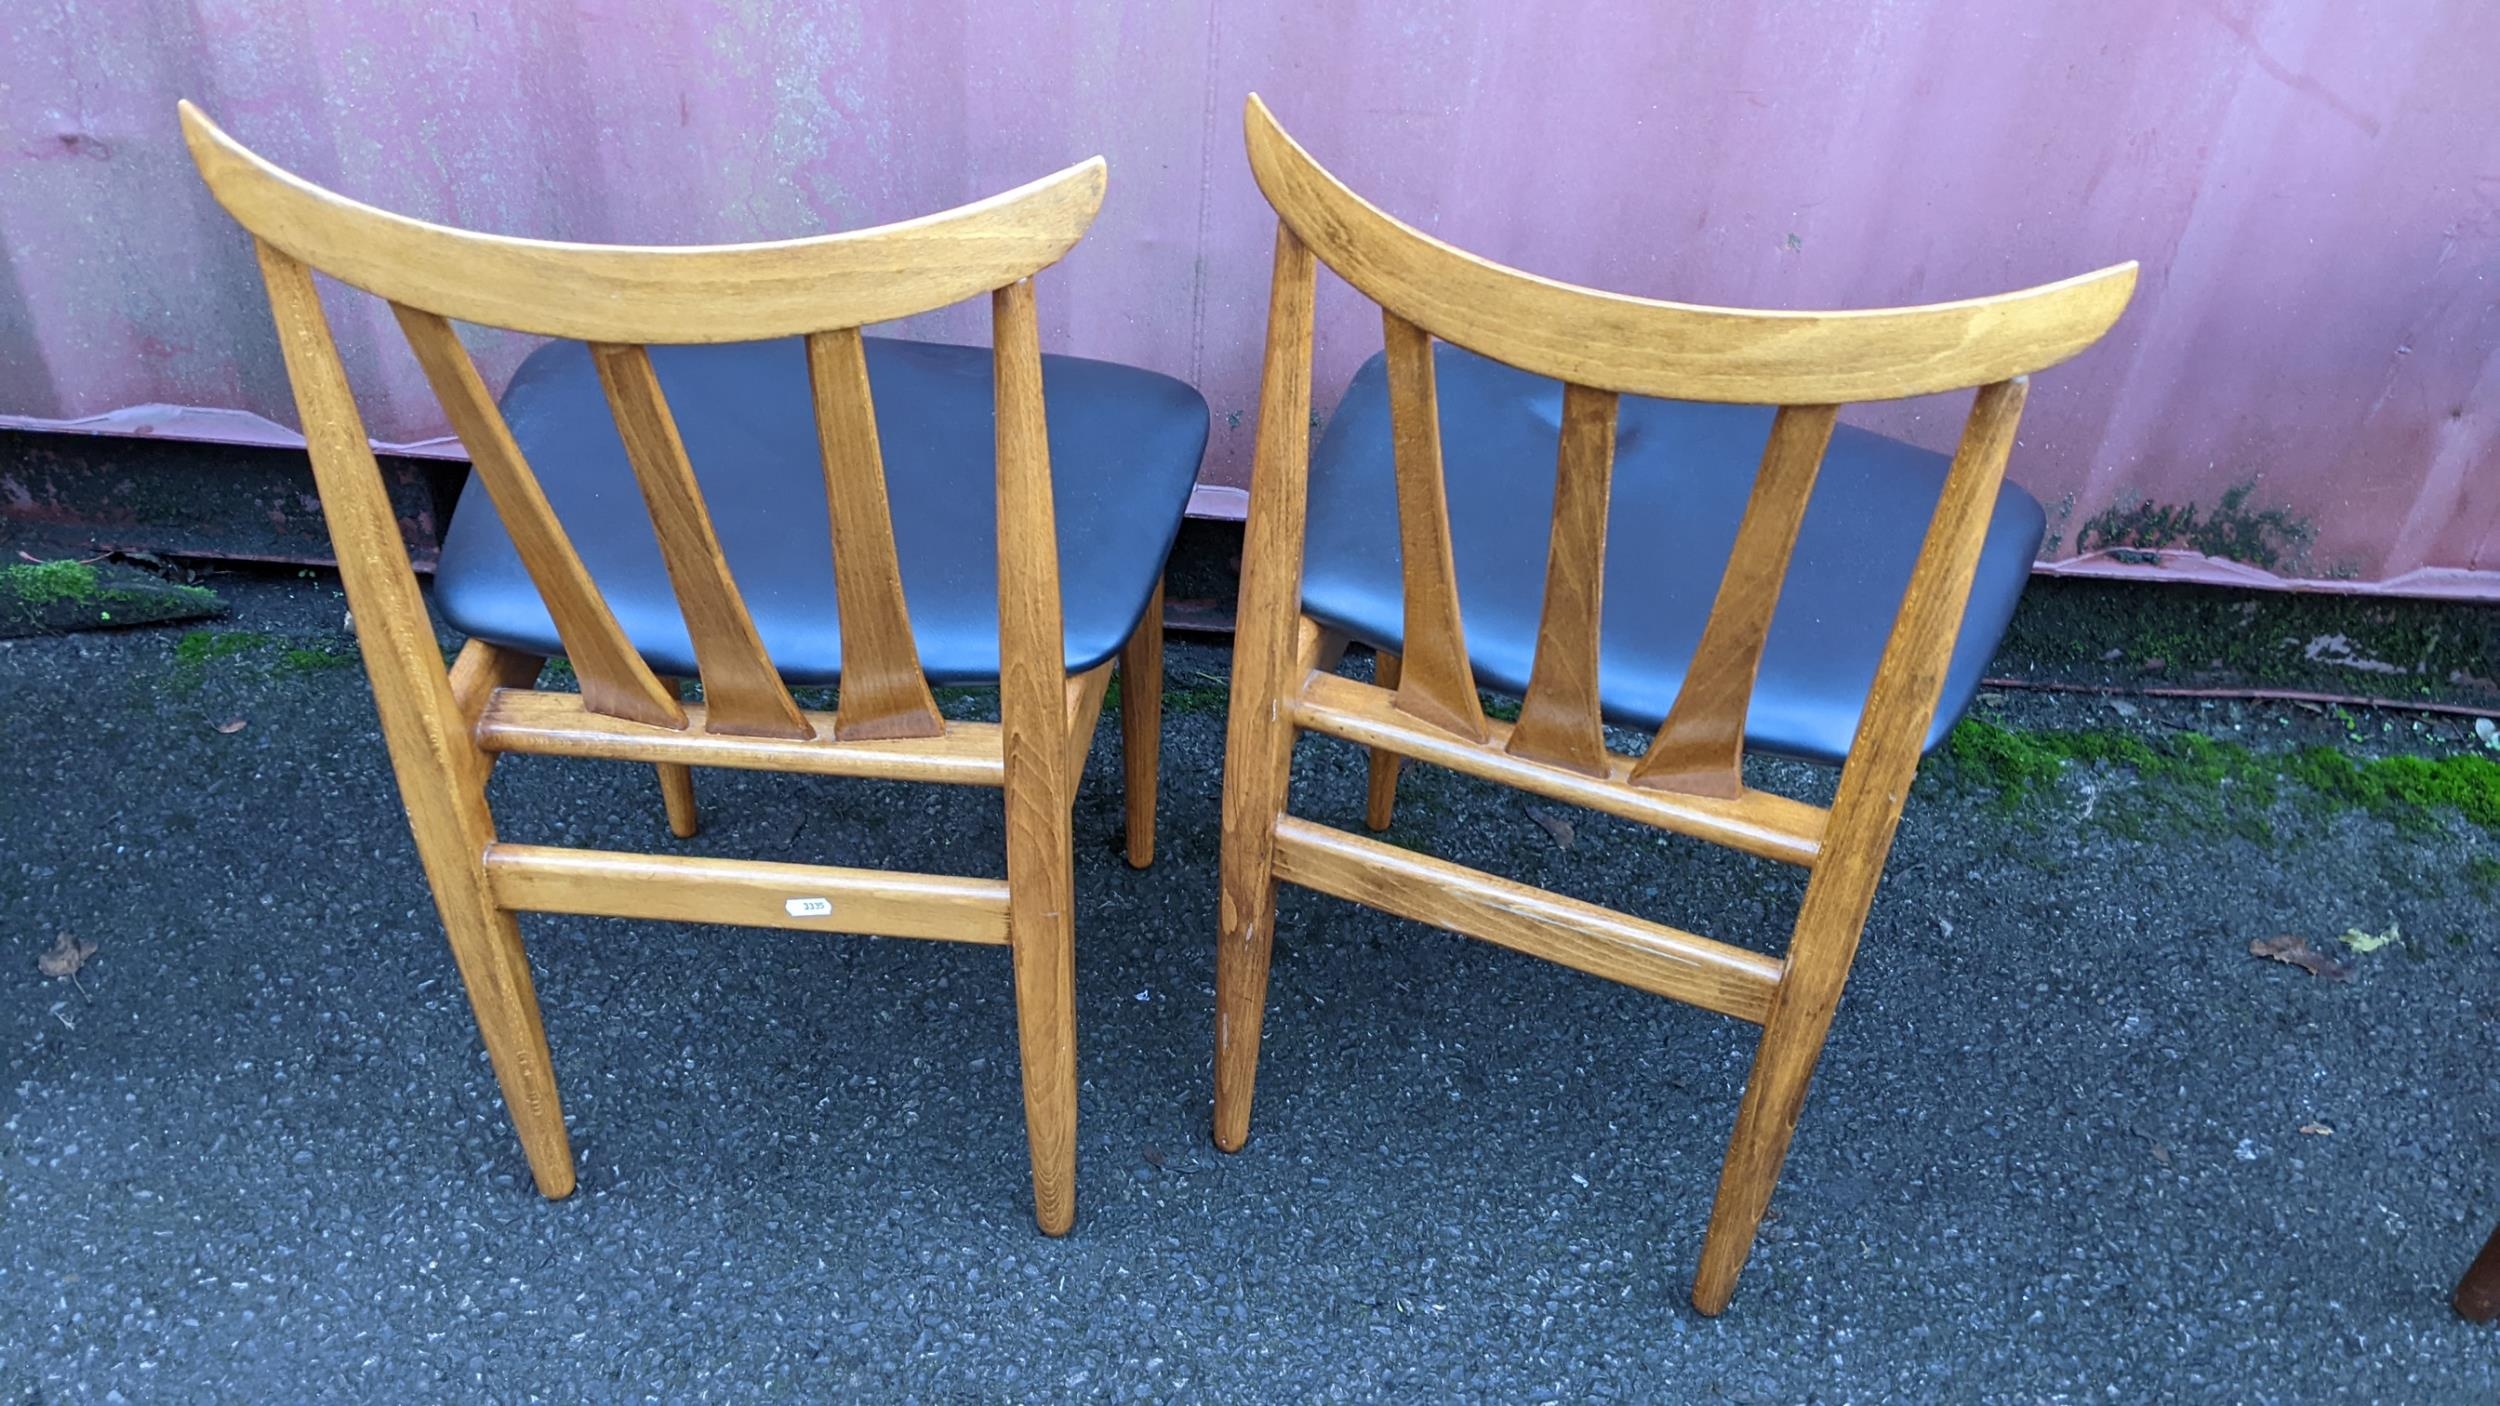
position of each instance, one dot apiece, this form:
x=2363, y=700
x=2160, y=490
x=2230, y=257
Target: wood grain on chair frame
x=445, y=727
x=1424, y=706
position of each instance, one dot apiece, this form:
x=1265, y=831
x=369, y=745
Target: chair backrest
x=620, y=299
x=1605, y=345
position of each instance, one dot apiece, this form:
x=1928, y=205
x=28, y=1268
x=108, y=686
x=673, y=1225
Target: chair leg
x=1041, y=882
x=1825, y=942
x=1258, y=770
x=486, y=945
x=426, y=727
x=447, y=811
x=1046, y=1016
x=1765, y=1122
x=677, y=794
x=2478, y=1293
x=677, y=784
x=1271, y=636
x=1381, y=803
x=1245, y=937
x=1141, y=729
x=446, y=799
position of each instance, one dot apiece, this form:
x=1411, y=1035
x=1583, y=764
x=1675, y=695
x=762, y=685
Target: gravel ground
x=2069, y=1142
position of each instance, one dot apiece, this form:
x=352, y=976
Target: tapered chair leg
x=1258, y=770
x=1141, y=729
x=1766, y=1120
x=486, y=945
x=1042, y=932
x=1246, y=924
x=442, y=780
x=677, y=785
x=1380, y=802
x=677, y=794
x=1273, y=646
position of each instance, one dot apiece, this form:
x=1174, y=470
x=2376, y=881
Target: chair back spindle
x=1437, y=684
x=883, y=691
x=1558, y=717
x=743, y=695
x=1700, y=748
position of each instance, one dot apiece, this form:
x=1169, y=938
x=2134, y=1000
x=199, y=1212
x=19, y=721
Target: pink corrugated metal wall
x=2313, y=187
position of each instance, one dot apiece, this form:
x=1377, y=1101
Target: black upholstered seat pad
x=1124, y=448
x=1682, y=474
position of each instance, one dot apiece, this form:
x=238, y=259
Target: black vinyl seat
x=1682, y=475
x=1124, y=448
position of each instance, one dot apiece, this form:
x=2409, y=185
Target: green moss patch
x=41, y=583
x=2272, y=538
x=199, y=648
x=305, y=661
x=199, y=652
x=53, y=597
x=2204, y=779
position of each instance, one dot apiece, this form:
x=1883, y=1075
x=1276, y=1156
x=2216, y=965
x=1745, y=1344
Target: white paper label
x=808, y=907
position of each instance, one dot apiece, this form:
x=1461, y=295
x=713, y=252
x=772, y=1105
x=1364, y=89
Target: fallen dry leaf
x=1554, y=825
x=2367, y=942
x=2293, y=950
x=67, y=955
x=2317, y=1130
x=232, y=726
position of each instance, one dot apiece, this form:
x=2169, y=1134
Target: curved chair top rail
x=1679, y=351
x=629, y=293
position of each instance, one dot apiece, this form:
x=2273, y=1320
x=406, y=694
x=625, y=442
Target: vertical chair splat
x=615, y=680
x=884, y=694
x=1558, y=718
x=743, y=693
x=1700, y=748
x=1437, y=683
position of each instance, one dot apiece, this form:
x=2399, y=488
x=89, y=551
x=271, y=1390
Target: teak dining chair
x=947, y=499
x=1655, y=430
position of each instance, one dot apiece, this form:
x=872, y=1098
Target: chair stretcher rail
x=1661, y=960
x=1756, y=822
x=748, y=893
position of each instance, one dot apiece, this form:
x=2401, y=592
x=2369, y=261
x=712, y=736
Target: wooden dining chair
x=657, y=490
x=1696, y=471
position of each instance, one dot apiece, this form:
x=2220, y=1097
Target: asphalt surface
x=2055, y=1152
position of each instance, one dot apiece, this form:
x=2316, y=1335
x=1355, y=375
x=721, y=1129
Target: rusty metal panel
x=65, y=496
x=2304, y=391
